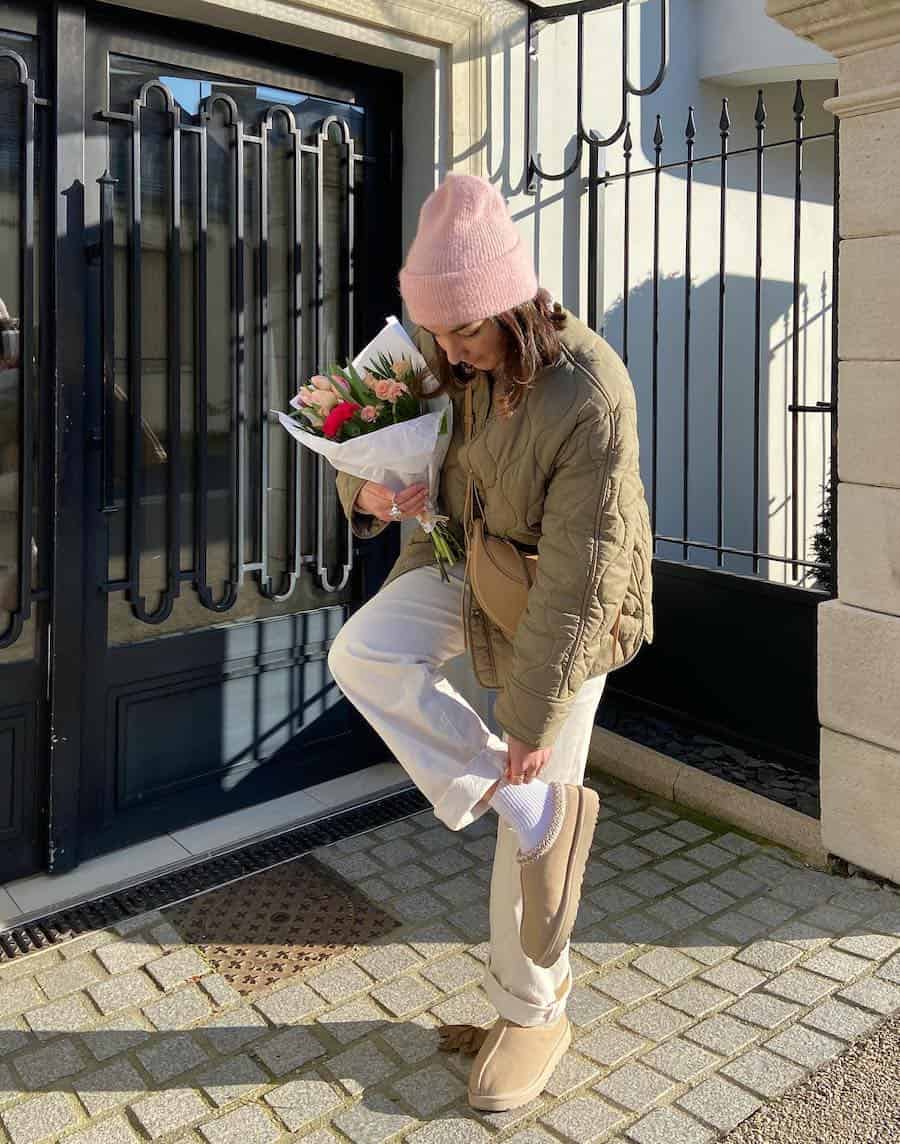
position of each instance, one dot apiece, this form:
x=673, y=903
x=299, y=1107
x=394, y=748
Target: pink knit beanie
x=467, y=260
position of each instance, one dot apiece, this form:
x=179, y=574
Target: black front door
x=229, y=227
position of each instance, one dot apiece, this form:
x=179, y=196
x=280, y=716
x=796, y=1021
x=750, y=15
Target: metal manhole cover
x=276, y=924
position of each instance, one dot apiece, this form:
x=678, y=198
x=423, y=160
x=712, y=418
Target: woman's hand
x=524, y=762
x=376, y=500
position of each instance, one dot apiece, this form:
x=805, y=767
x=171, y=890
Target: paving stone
x=233, y=1079
x=437, y=839
x=341, y=983
x=738, y=926
x=290, y=1004
x=627, y=857
x=448, y=862
x=879, y=996
x=801, y=934
x=168, y=1057
x=766, y=868
x=763, y=1072
x=840, y=1020
x=888, y=922
x=385, y=961
x=483, y=849
x=635, y=1087
x=602, y=951
x=648, y=884
x=414, y=1040
x=10, y=1089
x=804, y=888
x=405, y=995
x=289, y=1050
x=374, y=1120
x=627, y=985
x=114, y=1131
x=39, y=1118
x=614, y=899
x=583, y=1119
x=660, y=843
x=394, y=854
x=359, y=1067
x=229, y=1032
x=697, y=998
x=874, y=946
x=734, y=977
x=138, y=922
x=737, y=883
x=178, y=1010
x=681, y=1059
x=769, y=956
x=640, y=928
x=454, y=972
x=469, y=1008
x=167, y=937
x=474, y=921
x=806, y=1047
x=117, y=1034
x=674, y=915
x=71, y=976
x=66, y=1016
x=832, y=920
x=578, y=966
x=669, y=1126
x=768, y=910
x=706, y=897
x=644, y=820
x=708, y=950
x=408, y=878
x=585, y=1005
x=87, y=943
x=572, y=1072
x=667, y=966
x=176, y=968
x=353, y=867
x=170, y=1110
x=610, y=833
x=767, y=1012
x=429, y=1090
x=359, y=1018
x=29, y=966
x=128, y=991
x=13, y=1039
x=395, y=830
x=436, y=940
x=723, y=1034
x=800, y=986
x=123, y=956
x=49, y=1064
x=219, y=991
x=687, y=831
x=300, y=1102
x=598, y=872
x=680, y=870
x=110, y=1087
x=248, y=1125
x=710, y=855
x=655, y=1021
x=459, y=891
x=463, y=1130
x=610, y=1046
x=719, y=1103
x=419, y=907
x=837, y=965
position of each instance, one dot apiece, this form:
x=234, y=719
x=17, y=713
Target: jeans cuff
x=526, y=1013
x=461, y=803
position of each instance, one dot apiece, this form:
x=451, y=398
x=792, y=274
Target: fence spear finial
x=690, y=130
x=760, y=114
x=725, y=118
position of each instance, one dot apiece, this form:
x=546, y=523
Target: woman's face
x=478, y=344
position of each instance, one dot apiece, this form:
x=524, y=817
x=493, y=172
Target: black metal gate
x=229, y=224
x=735, y=596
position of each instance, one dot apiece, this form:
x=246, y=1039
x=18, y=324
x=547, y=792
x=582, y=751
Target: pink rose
x=384, y=388
x=401, y=368
x=368, y=413
x=367, y=380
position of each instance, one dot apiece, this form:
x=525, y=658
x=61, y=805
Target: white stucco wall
x=739, y=43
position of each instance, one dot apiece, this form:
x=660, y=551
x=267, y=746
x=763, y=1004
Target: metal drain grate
x=168, y=889
x=278, y=923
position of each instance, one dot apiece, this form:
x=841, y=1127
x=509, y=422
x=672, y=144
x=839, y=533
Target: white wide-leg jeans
x=388, y=660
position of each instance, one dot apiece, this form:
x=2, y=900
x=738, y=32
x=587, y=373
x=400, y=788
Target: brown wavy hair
x=531, y=332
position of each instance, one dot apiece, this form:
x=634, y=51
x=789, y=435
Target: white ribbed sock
x=527, y=808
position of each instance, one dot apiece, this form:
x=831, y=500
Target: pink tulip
x=325, y=400
x=368, y=413
x=320, y=382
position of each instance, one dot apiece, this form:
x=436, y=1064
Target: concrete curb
x=649, y=770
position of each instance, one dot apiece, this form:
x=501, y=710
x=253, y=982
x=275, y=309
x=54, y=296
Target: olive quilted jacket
x=562, y=473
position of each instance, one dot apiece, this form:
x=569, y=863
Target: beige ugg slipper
x=514, y=1064
x=552, y=874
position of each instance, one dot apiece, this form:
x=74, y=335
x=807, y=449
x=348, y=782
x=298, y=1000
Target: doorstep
x=40, y=894
x=649, y=770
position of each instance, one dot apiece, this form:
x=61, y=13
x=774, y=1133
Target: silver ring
x=395, y=508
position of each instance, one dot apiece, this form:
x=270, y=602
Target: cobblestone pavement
x=712, y=973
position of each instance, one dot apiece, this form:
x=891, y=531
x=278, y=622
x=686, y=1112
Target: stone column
x=859, y=632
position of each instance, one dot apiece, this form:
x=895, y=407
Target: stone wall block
x=859, y=674
x=869, y=547
x=869, y=423
x=870, y=299
x=860, y=796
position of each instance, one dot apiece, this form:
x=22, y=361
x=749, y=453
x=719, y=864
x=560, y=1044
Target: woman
x=554, y=455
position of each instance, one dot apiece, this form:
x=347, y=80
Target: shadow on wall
x=740, y=340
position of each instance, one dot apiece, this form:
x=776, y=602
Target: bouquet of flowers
x=367, y=419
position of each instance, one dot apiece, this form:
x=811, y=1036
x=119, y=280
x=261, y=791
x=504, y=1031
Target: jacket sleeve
x=364, y=527
x=590, y=519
